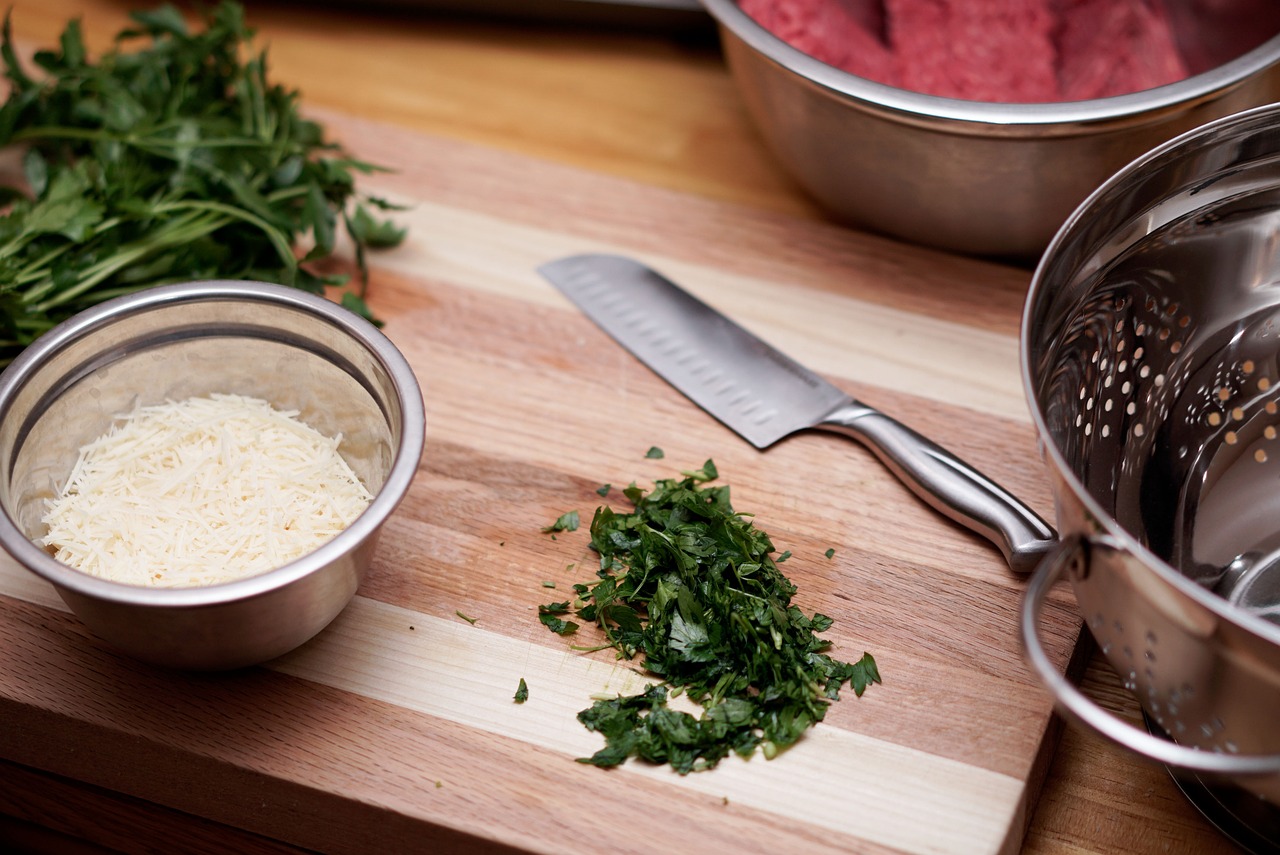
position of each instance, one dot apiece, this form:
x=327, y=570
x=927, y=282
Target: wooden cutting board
x=395, y=729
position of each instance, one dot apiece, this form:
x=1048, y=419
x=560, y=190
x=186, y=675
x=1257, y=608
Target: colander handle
x=949, y=485
x=1083, y=711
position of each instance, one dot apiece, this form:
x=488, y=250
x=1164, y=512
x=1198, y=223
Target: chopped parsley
x=692, y=587
x=468, y=619
x=708, y=472
x=655, y=453
x=522, y=692
x=548, y=615
x=565, y=522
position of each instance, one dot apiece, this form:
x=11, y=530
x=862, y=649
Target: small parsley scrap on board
x=692, y=586
x=178, y=160
x=568, y=521
x=549, y=615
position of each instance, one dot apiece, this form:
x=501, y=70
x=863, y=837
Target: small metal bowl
x=293, y=349
x=968, y=176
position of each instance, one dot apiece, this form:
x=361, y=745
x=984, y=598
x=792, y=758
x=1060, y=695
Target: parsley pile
x=176, y=161
x=692, y=586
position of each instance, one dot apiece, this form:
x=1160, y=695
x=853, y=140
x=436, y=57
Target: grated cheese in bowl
x=200, y=492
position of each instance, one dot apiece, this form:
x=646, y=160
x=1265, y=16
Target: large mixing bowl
x=295, y=350
x=974, y=177
x=1151, y=360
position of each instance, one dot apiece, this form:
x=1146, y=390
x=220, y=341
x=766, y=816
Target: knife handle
x=948, y=484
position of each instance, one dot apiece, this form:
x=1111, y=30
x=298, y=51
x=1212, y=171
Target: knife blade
x=763, y=395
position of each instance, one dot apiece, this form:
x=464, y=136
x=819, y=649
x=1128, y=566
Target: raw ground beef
x=983, y=51
x=1212, y=31
x=1019, y=51
x=1109, y=48
x=840, y=34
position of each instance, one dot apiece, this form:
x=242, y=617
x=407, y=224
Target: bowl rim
x=399, y=477
x=1043, y=115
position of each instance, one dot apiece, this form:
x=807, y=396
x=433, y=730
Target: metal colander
x=1151, y=358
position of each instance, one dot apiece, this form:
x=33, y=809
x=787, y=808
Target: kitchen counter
x=512, y=139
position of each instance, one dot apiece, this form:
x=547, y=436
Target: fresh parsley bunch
x=177, y=161
x=693, y=586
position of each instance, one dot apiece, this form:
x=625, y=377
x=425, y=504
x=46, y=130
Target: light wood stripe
x=467, y=675
x=861, y=341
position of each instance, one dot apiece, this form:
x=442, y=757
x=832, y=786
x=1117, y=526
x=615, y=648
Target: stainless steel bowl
x=1151, y=361
x=974, y=177
x=294, y=349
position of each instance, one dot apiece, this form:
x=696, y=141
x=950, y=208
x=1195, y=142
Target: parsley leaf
x=522, y=692
x=548, y=615
x=692, y=586
x=565, y=522
x=708, y=472
x=654, y=453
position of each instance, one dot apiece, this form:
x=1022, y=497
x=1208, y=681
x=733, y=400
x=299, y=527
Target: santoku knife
x=763, y=395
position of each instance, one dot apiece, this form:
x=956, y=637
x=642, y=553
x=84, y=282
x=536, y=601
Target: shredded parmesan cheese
x=201, y=491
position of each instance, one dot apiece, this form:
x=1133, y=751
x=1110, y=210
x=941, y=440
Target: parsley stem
x=278, y=240
x=37, y=269
x=174, y=233
x=132, y=139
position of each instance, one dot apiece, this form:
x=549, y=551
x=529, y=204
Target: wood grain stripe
x=464, y=673
x=929, y=357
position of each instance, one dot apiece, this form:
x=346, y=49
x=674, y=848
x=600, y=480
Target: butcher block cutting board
x=395, y=729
